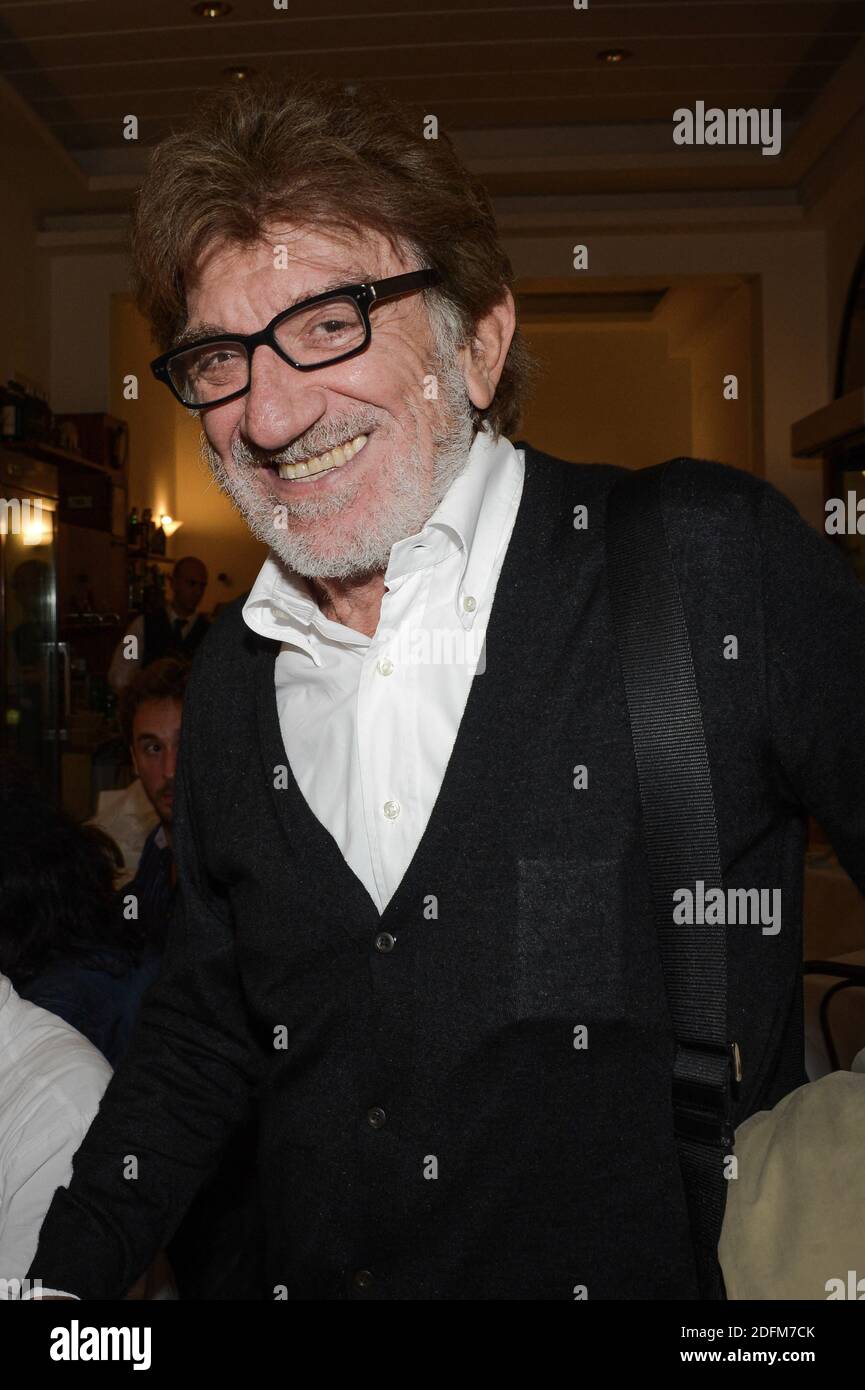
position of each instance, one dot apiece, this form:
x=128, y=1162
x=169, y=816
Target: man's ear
x=483, y=360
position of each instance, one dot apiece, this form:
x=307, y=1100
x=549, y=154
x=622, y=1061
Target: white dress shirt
x=51, y=1083
x=123, y=667
x=369, y=724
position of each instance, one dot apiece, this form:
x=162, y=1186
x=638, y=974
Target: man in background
x=151, y=710
x=173, y=630
x=215, y=1250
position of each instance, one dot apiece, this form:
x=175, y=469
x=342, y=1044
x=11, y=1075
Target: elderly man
x=415, y=914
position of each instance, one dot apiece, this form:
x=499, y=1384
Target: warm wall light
x=211, y=11
x=614, y=55
x=169, y=525
x=238, y=74
x=29, y=518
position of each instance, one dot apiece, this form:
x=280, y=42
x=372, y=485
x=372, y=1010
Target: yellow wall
x=166, y=472
x=607, y=395
x=212, y=528
x=638, y=392
x=722, y=428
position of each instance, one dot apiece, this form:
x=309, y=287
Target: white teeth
x=334, y=458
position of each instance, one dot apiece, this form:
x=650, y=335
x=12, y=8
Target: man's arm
x=814, y=610
x=172, y=1104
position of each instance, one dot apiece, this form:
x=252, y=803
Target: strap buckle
x=703, y=1077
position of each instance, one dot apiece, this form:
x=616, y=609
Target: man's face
x=155, y=741
x=188, y=583
x=341, y=522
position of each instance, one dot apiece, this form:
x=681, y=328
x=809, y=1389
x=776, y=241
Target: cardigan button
x=376, y=1116
x=362, y=1279
x=384, y=941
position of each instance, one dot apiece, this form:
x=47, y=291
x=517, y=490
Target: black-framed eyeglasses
x=318, y=332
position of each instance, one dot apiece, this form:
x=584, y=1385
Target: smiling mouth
x=323, y=463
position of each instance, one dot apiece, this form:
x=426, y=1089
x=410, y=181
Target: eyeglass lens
x=311, y=337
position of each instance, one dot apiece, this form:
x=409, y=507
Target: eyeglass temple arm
x=401, y=284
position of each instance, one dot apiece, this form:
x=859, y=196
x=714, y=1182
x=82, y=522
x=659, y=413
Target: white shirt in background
x=51, y=1083
x=123, y=667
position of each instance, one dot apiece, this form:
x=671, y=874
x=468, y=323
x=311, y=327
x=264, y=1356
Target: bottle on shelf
x=146, y=528
x=132, y=529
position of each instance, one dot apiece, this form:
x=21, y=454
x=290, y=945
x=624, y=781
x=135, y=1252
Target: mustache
x=317, y=441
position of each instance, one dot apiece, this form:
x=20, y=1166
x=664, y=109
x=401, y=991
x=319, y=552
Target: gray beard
x=408, y=504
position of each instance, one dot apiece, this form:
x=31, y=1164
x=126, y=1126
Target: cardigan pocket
x=568, y=947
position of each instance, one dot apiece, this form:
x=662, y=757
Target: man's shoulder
x=685, y=476
x=695, y=490
x=228, y=636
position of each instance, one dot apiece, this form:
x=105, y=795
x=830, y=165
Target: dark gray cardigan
x=428, y=1127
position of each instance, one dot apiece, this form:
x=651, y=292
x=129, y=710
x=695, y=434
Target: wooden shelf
x=51, y=453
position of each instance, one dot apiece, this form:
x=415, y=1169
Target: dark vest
x=160, y=639
x=433, y=1132
x=429, y=1130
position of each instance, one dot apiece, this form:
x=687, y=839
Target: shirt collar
x=468, y=518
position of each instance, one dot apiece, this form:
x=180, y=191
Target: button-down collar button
x=391, y=809
x=469, y=604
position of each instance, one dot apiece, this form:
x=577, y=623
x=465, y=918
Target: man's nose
x=281, y=403
x=169, y=764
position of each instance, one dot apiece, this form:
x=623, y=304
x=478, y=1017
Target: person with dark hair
x=151, y=711
x=215, y=1250
x=173, y=629
x=416, y=918
x=63, y=943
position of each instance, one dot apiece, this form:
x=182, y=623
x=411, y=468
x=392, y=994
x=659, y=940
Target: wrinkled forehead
x=291, y=263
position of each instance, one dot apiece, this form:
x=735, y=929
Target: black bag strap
x=681, y=837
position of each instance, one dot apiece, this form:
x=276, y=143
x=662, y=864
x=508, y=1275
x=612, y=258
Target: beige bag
x=794, y=1226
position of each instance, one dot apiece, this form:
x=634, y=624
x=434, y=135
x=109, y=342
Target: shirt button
x=362, y=1279
x=385, y=666
x=384, y=941
x=469, y=603
x=376, y=1117
x=392, y=809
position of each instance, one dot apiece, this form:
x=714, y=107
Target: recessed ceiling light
x=238, y=74
x=211, y=10
x=614, y=55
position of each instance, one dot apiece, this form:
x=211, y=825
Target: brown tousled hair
x=165, y=679
x=306, y=152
